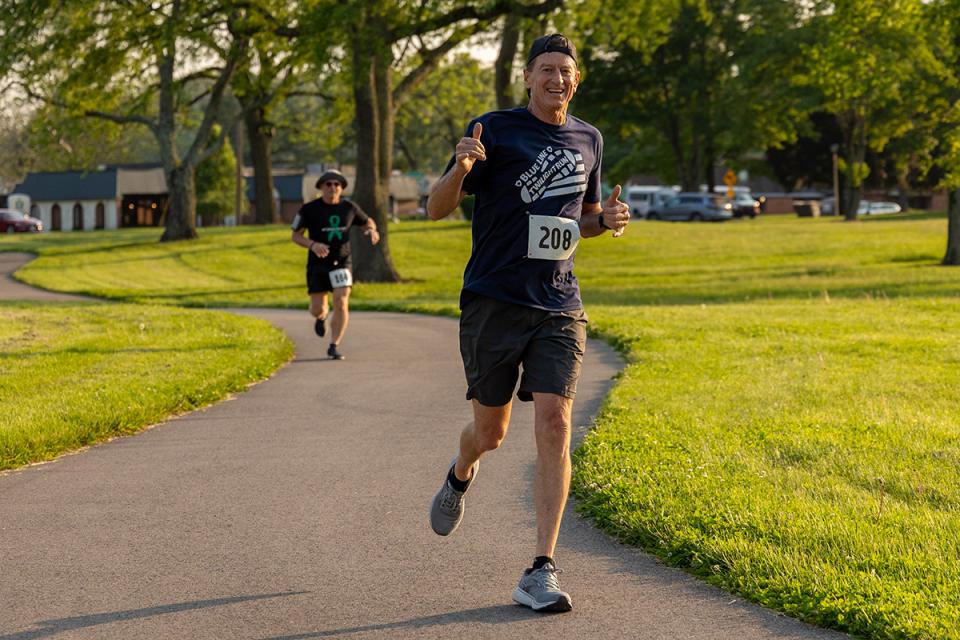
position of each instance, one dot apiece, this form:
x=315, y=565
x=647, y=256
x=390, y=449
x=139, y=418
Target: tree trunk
x=855, y=146
x=952, y=257
x=691, y=179
x=383, y=88
x=503, y=80
x=260, y=136
x=182, y=214
x=704, y=119
x=710, y=160
x=371, y=263
x=850, y=201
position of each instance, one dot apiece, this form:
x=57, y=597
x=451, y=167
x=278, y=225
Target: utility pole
x=834, y=148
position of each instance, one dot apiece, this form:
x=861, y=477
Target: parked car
x=641, y=199
x=12, y=220
x=865, y=208
x=877, y=208
x=693, y=207
x=744, y=206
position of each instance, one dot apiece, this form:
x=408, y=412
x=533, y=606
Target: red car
x=12, y=220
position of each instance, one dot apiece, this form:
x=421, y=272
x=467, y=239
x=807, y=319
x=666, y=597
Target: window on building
x=99, y=221
x=55, y=222
x=78, y=217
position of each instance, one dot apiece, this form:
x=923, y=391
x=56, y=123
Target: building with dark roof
x=137, y=196
x=107, y=198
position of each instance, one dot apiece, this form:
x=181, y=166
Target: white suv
x=642, y=199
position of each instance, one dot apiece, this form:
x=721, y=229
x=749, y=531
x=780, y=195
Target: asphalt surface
x=299, y=510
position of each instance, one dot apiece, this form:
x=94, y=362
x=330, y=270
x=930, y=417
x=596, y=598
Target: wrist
x=603, y=225
x=310, y=246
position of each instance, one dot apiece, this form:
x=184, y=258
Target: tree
x=276, y=66
x=503, y=66
x=689, y=84
x=381, y=37
x=317, y=125
x=872, y=65
x=807, y=160
x=144, y=63
x=433, y=120
x=943, y=19
x=46, y=139
x=216, y=182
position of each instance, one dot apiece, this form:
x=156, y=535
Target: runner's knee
x=489, y=437
x=553, y=428
x=488, y=441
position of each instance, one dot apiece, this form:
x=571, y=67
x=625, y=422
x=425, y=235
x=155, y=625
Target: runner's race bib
x=552, y=237
x=340, y=278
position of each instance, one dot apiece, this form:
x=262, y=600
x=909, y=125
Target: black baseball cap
x=332, y=174
x=553, y=42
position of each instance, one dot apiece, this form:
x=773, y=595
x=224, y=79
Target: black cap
x=332, y=174
x=553, y=42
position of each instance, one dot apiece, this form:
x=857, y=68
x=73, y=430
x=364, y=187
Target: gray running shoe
x=446, y=510
x=539, y=589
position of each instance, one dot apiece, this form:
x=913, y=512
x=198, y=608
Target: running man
x=327, y=220
x=535, y=172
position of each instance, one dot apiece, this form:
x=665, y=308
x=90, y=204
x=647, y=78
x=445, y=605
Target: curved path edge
x=298, y=509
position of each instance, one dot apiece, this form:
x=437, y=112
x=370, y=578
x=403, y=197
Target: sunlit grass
x=75, y=374
x=787, y=426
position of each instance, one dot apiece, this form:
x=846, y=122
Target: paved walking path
x=299, y=510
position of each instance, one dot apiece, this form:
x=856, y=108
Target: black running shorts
x=499, y=339
x=318, y=277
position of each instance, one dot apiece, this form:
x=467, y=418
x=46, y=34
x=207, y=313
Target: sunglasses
x=332, y=183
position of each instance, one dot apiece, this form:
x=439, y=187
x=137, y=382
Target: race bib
x=340, y=278
x=552, y=238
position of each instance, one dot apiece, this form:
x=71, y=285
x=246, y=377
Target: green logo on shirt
x=334, y=228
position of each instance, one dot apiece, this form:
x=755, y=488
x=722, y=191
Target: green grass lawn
x=74, y=374
x=787, y=426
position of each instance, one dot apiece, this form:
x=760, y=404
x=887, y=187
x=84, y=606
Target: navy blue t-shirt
x=537, y=168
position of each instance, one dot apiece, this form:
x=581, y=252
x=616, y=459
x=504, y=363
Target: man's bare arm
x=447, y=192
x=615, y=214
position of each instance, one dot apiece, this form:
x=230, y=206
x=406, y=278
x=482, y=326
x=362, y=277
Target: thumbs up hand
x=615, y=214
x=470, y=149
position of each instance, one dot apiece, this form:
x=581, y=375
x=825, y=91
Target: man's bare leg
x=318, y=305
x=341, y=314
x=485, y=433
x=552, y=426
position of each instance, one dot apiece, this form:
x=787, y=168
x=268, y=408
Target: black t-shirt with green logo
x=330, y=224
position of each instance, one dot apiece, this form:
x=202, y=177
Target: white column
x=110, y=220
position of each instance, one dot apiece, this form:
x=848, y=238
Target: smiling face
x=552, y=79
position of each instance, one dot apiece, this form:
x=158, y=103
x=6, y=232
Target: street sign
x=729, y=178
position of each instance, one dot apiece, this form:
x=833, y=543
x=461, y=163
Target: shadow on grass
x=908, y=216
x=169, y=254
x=190, y=298
x=48, y=628
x=651, y=297
x=457, y=226
x=19, y=355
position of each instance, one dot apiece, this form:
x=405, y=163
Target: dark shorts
x=318, y=277
x=497, y=339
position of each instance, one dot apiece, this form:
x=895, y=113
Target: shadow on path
x=50, y=628
x=487, y=615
